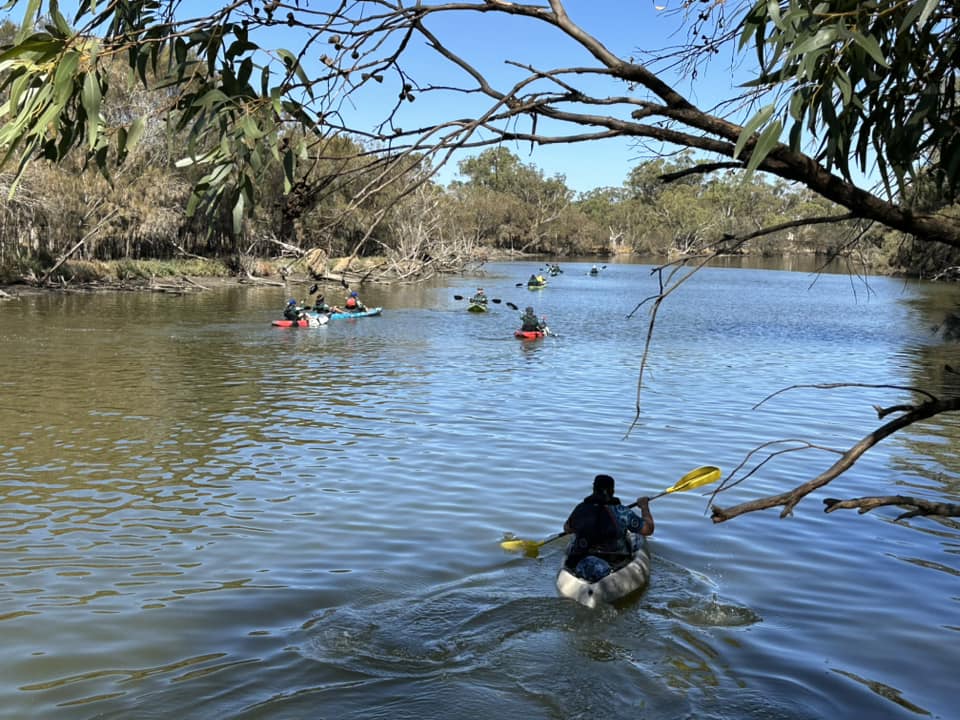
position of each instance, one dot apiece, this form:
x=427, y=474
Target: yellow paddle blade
x=695, y=478
x=530, y=548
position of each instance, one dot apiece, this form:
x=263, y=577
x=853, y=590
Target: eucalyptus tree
x=531, y=206
x=867, y=82
x=836, y=89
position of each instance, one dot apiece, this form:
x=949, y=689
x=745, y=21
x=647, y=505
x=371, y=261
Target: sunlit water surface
x=204, y=516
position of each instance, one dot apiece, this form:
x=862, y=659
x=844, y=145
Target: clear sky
x=487, y=40
x=626, y=27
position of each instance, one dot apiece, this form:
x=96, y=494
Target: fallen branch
x=61, y=261
x=262, y=281
x=790, y=499
x=195, y=284
x=182, y=251
x=920, y=506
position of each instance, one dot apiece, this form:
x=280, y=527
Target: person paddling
x=292, y=311
x=353, y=304
x=320, y=305
x=605, y=531
x=531, y=323
x=479, y=297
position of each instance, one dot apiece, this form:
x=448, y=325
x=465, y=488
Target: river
x=204, y=516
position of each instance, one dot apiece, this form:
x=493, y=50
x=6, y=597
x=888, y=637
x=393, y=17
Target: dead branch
x=920, y=506
x=195, y=284
x=61, y=261
x=182, y=251
x=790, y=499
x=261, y=281
x=666, y=289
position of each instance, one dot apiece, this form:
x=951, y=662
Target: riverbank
x=195, y=274
x=189, y=275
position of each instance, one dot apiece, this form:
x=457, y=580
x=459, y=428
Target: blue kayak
x=360, y=314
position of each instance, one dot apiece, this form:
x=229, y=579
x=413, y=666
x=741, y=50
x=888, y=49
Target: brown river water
x=204, y=516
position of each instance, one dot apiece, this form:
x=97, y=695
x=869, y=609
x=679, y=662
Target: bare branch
x=789, y=500
x=920, y=506
x=701, y=169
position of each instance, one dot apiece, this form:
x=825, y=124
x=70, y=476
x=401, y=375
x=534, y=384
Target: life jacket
x=594, y=522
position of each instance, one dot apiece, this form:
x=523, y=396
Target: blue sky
x=626, y=27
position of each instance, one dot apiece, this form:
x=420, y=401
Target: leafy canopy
x=871, y=82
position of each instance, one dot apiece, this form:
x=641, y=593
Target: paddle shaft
x=560, y=535
x=699, y=477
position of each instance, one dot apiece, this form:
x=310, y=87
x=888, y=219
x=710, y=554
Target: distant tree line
x=346, y=206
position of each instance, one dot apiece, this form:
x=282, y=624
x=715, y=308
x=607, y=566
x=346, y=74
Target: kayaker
x=321, y=306
x=353, y=304
x=601, y=524
x=292, y=311
x=530, y=321
x=479, y=298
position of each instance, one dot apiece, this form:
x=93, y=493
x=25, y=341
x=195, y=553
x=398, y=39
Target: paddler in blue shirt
x=601, y=524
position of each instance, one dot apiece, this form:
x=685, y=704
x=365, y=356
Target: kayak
x=623, y=581
x=369, y=312
x=477, y=307
x=312, y=320
x=536, y=286
x=528, y=334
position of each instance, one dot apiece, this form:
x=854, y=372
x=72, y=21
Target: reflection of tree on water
x=949, y=329
x=937, y=370
x=935, y=393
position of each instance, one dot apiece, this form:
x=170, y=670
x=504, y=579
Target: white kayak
x=627, y=579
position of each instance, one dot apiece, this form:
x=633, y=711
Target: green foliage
x=871, y=81
x=512, y=205
x=203, y=116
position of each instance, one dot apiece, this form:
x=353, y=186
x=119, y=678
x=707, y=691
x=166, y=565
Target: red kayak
x=308, y=321
x=528, y=334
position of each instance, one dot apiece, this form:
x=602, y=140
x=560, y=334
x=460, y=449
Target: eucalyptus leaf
x=752, y=126
x=238, y=208
x=90, y=98
x=768, y=140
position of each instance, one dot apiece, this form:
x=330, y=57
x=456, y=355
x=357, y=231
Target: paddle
x=695, y=478
x=495, y=301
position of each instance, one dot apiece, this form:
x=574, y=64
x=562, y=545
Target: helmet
x=291, y=301
x=529, y=310
x=354, y=294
